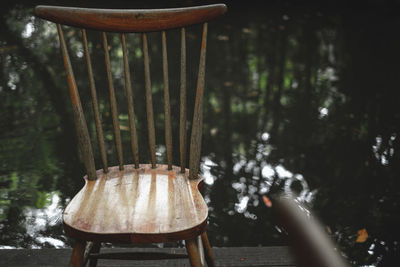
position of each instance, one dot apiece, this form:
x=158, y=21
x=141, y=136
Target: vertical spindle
x=99, y=130
x=167, y=109
x=113, y=104
x=182, y=115
x=131, y=112
x=149, y=103
x=79, y=119
x=197, y=124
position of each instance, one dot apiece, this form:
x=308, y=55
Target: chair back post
x=197, y=123
x=182, y=115
x=99, y=130
x=149, y=103
x=113, y=104
x=131, y=112
x=167, y=109
x=82, y=132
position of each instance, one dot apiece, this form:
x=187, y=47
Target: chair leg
x=200, y=249
x=208, y=250
x=193, y=253
x=77, y=257
x=95, y=249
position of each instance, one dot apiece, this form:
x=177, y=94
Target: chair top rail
x=130, y=20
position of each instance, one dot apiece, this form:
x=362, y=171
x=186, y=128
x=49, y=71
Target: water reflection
x=38, y=220
x=297, y=101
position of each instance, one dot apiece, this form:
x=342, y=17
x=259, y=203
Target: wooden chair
x=137, y=203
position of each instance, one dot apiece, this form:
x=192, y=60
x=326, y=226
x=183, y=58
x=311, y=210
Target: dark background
x=301, y=97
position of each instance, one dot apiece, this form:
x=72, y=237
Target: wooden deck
x=229, y=257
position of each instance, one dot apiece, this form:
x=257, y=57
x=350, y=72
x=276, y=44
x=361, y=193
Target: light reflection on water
x=38, y=220
x=270, y=176
x=205, y=168
x=383, y=152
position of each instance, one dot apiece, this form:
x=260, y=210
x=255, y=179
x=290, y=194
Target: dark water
x=299, y=99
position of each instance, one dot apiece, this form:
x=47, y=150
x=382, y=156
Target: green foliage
x=42, y=199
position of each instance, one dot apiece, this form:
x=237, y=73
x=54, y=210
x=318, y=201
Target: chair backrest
x=135, y=21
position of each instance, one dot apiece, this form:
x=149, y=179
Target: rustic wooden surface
x=79, y=118
x=129, y=98
x=113, y=104
x=158, y=202
x=95, y=105
x=197, y=123
x=149, y=102
x=182, y=101
x=167, y=108
x=78, y=253
x=193, y=252
x=229, y=257
x=209, y=255
x=125, y=20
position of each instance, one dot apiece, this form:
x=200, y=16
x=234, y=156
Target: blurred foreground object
x=311, y=246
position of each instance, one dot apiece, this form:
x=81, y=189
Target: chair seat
x=137, y=205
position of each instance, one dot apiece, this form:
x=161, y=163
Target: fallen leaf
x=228, y=83
x=246, y=30
x=362, y=235
x=328, y=230
x=223, y=37
x=214, y=131
x=267, y=201
x=123, y=127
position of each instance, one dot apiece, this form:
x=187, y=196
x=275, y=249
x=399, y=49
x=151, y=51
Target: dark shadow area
x=300, y=98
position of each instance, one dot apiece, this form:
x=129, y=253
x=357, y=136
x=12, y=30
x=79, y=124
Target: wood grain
x=131, y=111
x=149, y=102
x=197, y=123
x=182, y=115
x=82, y=132
x=193, y=253
x=208, y=250
x=78, y=253
x=130, y=20
x=167, y=109
x=113, y=104
x=99, y=130
x=138, y=205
